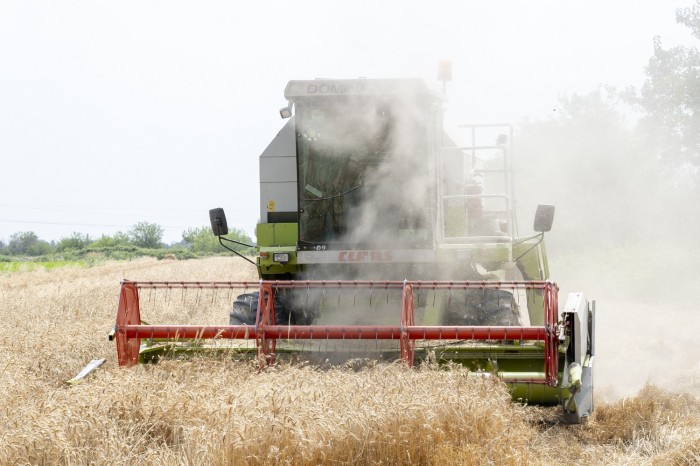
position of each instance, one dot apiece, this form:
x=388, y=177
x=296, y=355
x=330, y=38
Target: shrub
x=202, y=240
x=75, y=241
x=118, y=239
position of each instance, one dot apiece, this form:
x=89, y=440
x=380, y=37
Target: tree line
x=143, y=238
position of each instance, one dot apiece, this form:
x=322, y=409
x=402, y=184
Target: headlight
x=282, y=257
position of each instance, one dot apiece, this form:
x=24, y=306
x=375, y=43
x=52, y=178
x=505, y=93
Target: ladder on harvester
x=476, y=187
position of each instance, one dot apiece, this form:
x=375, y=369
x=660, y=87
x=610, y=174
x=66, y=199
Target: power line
x=83, y=224
x=98, y=209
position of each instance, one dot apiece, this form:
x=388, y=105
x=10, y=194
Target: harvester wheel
x=300, y=307
x=245, y=308
x=482, y=307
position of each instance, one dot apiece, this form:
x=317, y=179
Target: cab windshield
x=347, y=158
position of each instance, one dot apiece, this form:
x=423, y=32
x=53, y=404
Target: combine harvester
x=375, y=225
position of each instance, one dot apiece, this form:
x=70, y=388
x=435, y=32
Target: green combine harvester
x=379, y=233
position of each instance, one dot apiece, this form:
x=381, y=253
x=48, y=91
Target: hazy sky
x=117, y=112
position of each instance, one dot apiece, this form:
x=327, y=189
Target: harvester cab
x=363, y=183
x=377, y=225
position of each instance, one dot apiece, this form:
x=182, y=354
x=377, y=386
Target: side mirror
x=544, y=216
x=217, y=217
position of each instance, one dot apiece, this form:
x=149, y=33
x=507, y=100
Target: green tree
x=21, y=242
x=203, y=240
x=146, y=235
x=670, y=99
x=76, y=241
x=27, y=243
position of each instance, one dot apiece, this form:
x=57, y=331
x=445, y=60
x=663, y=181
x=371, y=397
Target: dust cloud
x=647, y=325
x=625, y=234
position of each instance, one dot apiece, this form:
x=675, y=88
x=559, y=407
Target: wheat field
x=216, y=411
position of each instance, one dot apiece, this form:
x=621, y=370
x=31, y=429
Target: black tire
x=299, y=307
x=481, y=307
x=245, y=309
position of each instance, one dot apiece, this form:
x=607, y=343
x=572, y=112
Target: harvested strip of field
x=221, y=411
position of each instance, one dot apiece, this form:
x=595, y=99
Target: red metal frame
x=408, y=345
x=128, y=314
x=129, y=331
x=265, y=318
